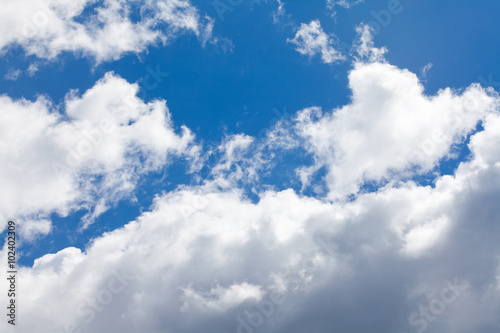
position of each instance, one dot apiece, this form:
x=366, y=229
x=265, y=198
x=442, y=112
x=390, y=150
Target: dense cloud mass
x=403, y=258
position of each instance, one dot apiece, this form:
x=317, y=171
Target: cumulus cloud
x=102, y=30
x=390, y=130
x=310, y=40
x=229, y=264
x=390, y=127
x=87, y=153
x=403, y=257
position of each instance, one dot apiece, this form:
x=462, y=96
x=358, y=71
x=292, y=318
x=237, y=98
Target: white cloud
x=232, y=150
x=279, y=13
x=342, y=3
x=310, y=40
x=88, y=156
x=281, y=17
x=425, y=71
x=391, y=129
x=33, y=68
x=30, y=230
x=12, y=75
x=219, y=299
x=480, y=143
x=423, y=237
x=365, y=48
x=204, y=269
x=346, y=4
x=104, y=31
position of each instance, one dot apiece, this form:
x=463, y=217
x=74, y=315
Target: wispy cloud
x=310, y=40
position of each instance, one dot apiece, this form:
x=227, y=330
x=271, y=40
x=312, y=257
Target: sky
x=251, y=165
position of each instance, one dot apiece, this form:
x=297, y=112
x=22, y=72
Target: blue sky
x=356, y=119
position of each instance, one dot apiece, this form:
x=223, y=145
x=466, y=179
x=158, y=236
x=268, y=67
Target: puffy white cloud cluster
x=391, y=129
x=104, y=30
x=87, y=153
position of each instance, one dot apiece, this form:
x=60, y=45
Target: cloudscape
x=250, y=166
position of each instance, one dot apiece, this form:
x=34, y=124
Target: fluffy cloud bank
x=103, y=30
x=87, y=153
x=403, y=258
x=408, y=257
